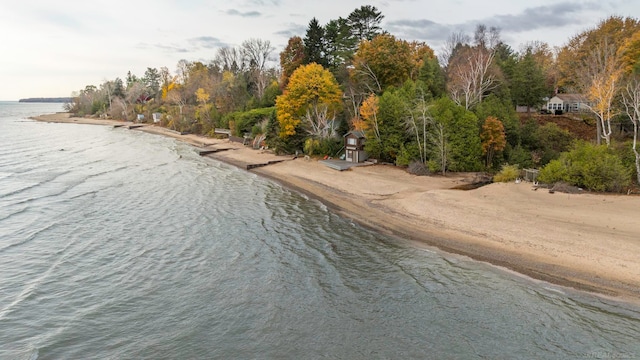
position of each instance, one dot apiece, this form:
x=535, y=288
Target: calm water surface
x=124, y=245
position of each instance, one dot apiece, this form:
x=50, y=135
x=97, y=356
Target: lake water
x=120, y=244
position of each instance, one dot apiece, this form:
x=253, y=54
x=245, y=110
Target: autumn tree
x=615, y=30
x=493, y=138
x=310, y=102
x=599, y=77
x=386, y=61
x=291, y=58
x=630, y=54
x=591, y=64
x=369, y=117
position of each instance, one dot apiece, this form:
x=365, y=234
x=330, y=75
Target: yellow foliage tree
x=369, y=114
x=202, y=96
x=312, y=97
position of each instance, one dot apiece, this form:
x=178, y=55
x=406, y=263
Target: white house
x=567, y=103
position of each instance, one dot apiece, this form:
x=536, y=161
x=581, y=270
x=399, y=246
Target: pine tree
x=314, y=44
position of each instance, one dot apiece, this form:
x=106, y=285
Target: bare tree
x=119, y=109
x=370, y=78
x=319, y=122
x=417, y=122
x=438, y=138
x=256, y=53
x=471, y=75
x=230, y=59
x=453, y=42
x=485, y=37
x=631, y=102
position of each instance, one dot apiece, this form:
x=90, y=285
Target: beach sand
x=586, y=241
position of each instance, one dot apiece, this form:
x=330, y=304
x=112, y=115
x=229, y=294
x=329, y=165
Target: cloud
x=207, y=42
x=234, y=12
x=291, y=30
x=421, y=29
x=263, y=2
x=60, y=19
x=545, y=17
x=164, y=48
x=558, y=15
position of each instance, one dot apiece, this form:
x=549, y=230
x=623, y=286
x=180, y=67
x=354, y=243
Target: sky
x=55, y=48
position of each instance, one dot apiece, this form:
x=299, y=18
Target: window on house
x=352, y=141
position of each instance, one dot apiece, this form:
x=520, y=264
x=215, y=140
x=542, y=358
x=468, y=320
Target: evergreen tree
x=339, y=44
x=314, y=44
x=365, y=22
x=528, y=84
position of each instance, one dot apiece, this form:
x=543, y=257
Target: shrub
x=507, y=173
x=592, y=167
x=322, y=147
x=418, y=168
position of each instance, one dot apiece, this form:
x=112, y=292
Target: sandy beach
x=585, y=241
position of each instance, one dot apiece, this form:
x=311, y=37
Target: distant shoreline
x=46, y=100
x=587, y=242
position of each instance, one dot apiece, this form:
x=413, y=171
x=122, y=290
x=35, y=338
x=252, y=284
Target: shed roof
x=356, y=133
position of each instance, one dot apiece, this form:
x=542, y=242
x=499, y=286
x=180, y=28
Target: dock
x=253, y=166
x=212, y=151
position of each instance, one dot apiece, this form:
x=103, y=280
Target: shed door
x=349, y=155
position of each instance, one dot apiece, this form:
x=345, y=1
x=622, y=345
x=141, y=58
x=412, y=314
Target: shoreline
x=586, y=242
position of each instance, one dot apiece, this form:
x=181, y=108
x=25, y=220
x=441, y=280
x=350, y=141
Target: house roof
x=572, y=97
x=357, y=133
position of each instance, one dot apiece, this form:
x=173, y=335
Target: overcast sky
x=52, y=48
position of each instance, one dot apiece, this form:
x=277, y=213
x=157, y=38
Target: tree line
x=454, y=112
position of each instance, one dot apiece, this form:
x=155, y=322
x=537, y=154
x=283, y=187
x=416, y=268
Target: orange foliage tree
x=493, y=138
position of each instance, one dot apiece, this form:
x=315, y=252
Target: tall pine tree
x=314, y=44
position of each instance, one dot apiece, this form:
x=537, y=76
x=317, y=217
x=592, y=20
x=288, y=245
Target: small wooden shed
x=354, y=146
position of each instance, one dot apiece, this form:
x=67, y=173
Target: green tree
x=432, y=76
x=151, y=80
x=460, y=138
x=364, y=22
x=339, y=44
x=314, y=44
x=528, y=84
x=388, y=136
